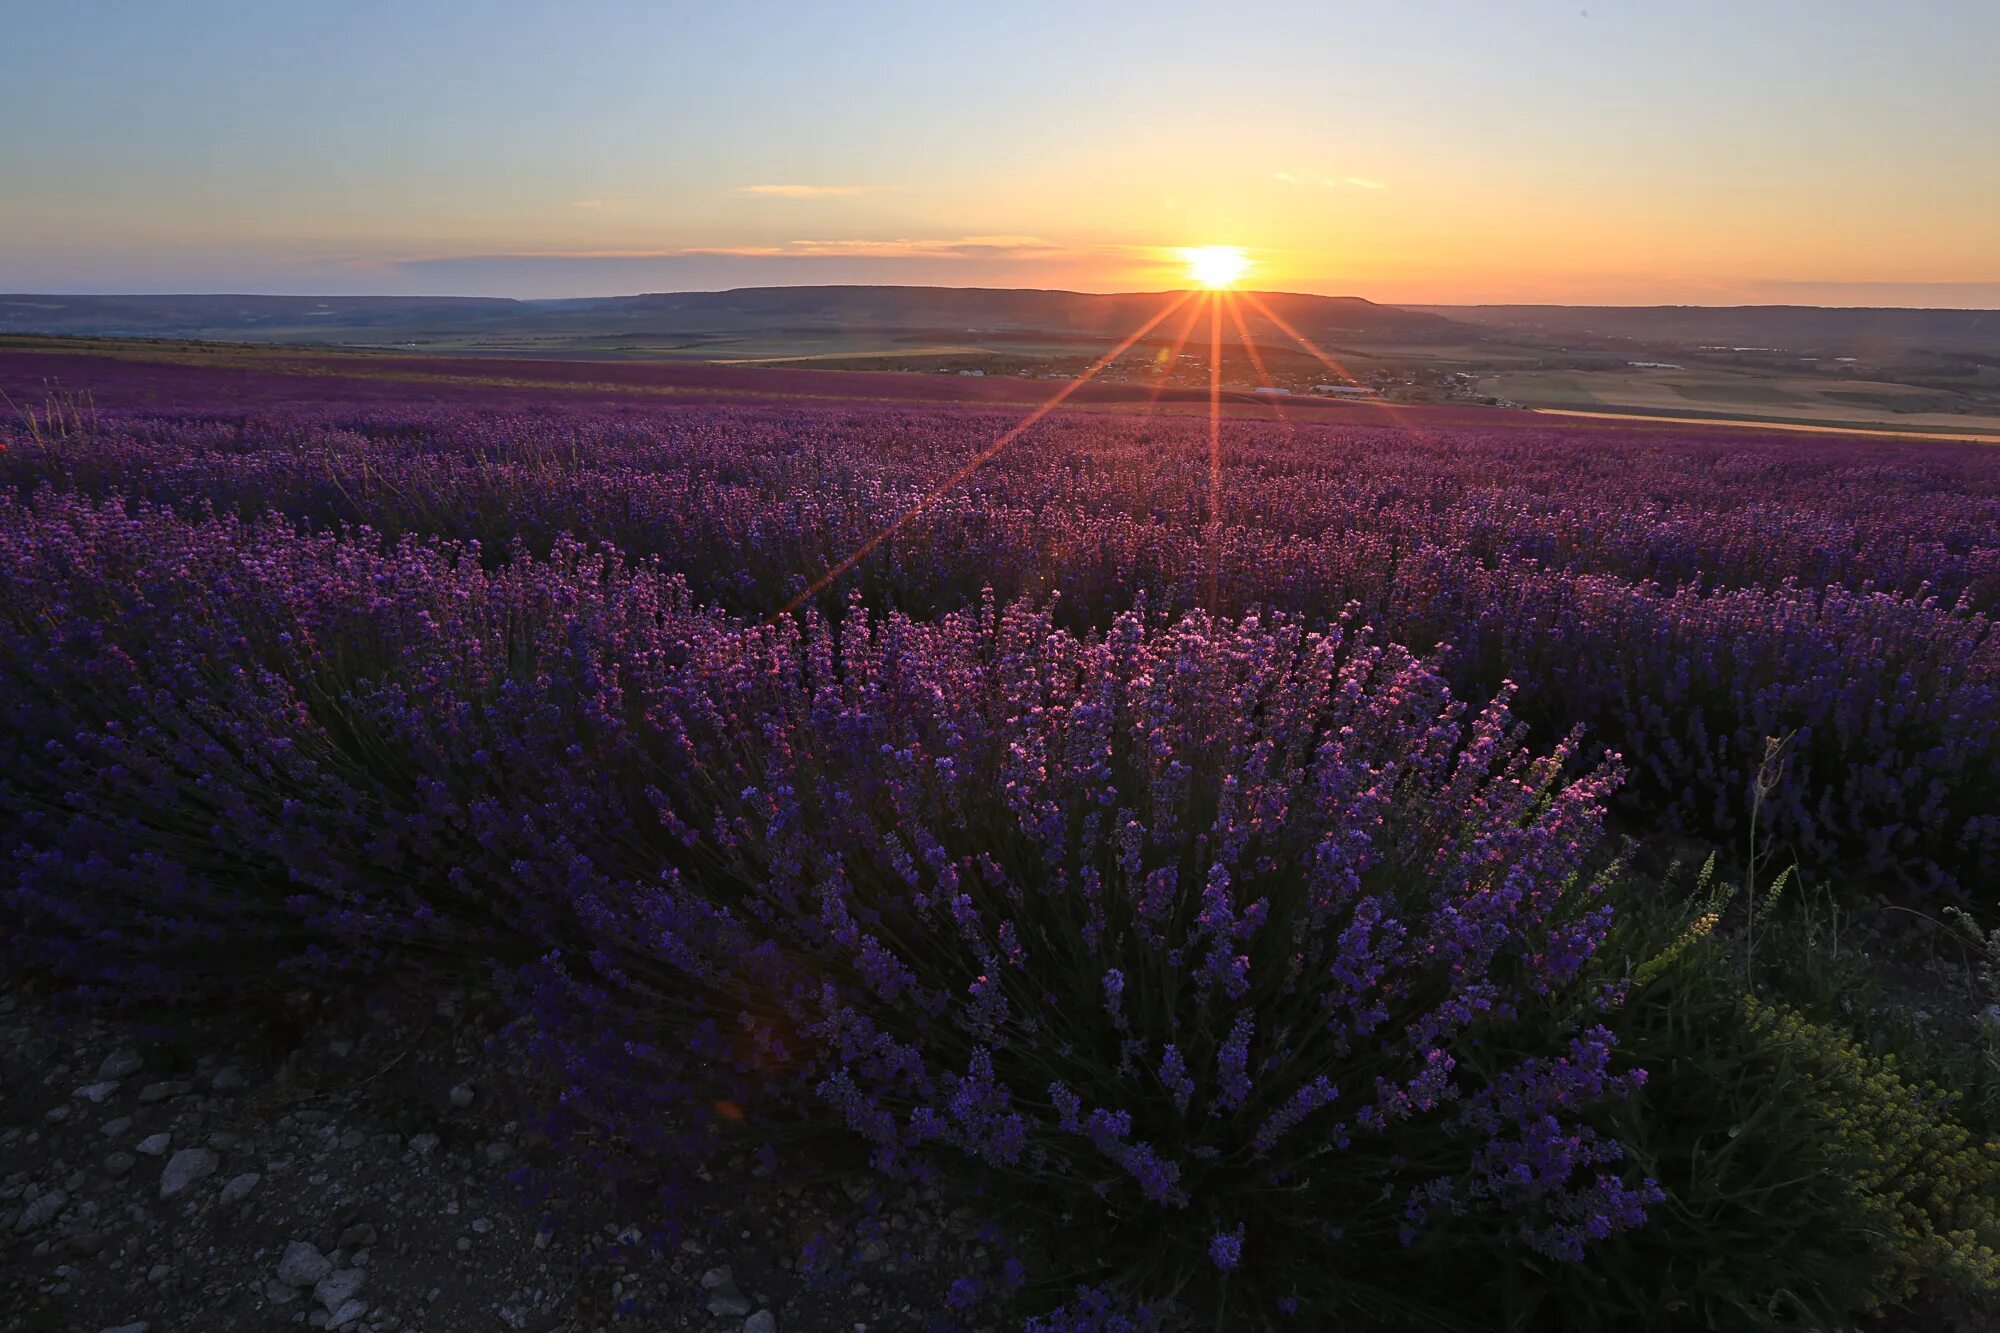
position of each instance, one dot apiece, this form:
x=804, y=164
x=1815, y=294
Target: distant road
x=1888, y=432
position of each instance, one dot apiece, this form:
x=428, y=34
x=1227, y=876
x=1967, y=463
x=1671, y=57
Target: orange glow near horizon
x=1215, y=299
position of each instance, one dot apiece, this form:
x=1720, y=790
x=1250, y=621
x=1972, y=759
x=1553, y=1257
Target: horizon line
x=979, y=287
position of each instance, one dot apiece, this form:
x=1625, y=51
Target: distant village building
x=1270, y=389
x=1345, y=391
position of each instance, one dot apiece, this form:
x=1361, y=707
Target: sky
x=1679, y=151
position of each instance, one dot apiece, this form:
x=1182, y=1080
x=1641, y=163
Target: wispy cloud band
x=960, y=247
x=801, y=191
x=1356, y=182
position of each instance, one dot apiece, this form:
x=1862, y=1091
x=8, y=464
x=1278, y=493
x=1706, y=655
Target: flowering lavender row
x=1233, y=925
x=714, y=482
x=1682, y=597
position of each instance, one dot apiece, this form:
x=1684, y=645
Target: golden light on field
x=1216, y=266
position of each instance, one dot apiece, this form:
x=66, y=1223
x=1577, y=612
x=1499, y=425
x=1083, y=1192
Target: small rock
x=121, y=1063
x=42, y=1210
x=160, y=1092
x=729, y=1300
x=358, y=1236
x=424, y=1144
x=724, y=1296
x=159, y=1273
x=340, y=1049
x=98, y=1093
x=481, y=1226
x=239, y=1187
x=497, y=1153
x=302, y=1264
x=461, y=1096
x=184, y=1168
x=348, y=1312
x=279, y=1293
x=118, y=1164
x=227, y=1079
x=111, y=1129
x=339, y=1287
x=137, y=1326
x=55, y=1115
x=156, y=1145
x=761, y=1322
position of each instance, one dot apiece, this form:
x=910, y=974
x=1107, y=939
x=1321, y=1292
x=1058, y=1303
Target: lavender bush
x=1244, y=947
x=1226, y=932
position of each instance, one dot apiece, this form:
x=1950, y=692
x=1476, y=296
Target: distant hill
x=697, y=323
x=941, y=312
x=1849, y=331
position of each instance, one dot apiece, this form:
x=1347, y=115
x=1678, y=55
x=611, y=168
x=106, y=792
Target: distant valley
x=1911, y=370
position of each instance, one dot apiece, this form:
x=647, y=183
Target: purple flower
x=1225, y=1249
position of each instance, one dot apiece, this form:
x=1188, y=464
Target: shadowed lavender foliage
x=1099, y=857
x=1244, y=940
x=1245, y=944
x=1681, y=596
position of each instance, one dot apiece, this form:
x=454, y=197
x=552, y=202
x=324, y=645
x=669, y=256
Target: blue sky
x=1697, y=151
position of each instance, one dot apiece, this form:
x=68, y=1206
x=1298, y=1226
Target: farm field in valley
x=1750, y=397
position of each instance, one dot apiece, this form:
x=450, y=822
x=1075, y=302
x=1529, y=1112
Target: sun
x=1216, y=266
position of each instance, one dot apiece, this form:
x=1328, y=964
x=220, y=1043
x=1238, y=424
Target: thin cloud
x=960, y=247
x=801, y=191
x=1333, y=182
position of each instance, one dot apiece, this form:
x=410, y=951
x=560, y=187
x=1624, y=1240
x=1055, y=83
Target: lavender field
x=1232, y=860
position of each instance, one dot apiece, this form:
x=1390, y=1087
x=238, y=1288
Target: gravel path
x=209, y=1177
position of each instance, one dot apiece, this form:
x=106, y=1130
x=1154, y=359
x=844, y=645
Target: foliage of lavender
x=1226, y=930
x=1117, y=859
x=1683, y=597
